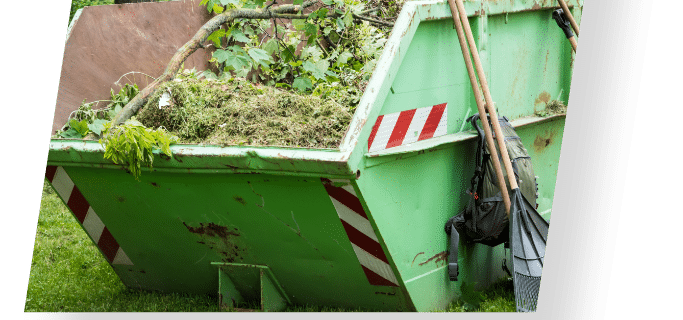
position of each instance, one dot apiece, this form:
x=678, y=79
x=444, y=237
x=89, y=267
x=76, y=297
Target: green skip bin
x=360, y=226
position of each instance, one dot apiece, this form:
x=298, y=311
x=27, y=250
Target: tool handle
x=572, y=40
x=569, y=16
x=480, y=105
x=489, y=101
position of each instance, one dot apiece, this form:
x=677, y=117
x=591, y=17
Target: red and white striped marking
x=86, y=216
x=401, y=128
x=359, y=230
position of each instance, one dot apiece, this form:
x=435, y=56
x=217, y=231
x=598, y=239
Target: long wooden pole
x=487, y=95
x=569, y=16
x=480, y=106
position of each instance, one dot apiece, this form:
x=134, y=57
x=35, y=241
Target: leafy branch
x=343, y=63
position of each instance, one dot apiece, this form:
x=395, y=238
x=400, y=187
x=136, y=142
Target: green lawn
x=69, y=274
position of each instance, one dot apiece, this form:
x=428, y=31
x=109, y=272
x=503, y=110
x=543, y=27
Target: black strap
x=563, y=23
x=453, y=254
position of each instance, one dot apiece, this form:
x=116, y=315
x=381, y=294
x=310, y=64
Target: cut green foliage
x=135, y=145
x=85, y=119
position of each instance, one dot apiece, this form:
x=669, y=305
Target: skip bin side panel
x=531, y=62
x=173, y=225
x=411, y=199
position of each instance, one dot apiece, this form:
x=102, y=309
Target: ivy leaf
x=299, y=24
x=302, y=84
x=238, y=62
x=348, y=18
x=239, y=36
x=317, y=69
x=288, y=53
x=221, y=55
x=344, y=57
x=270, y=46
x=216, y=37
x=259, y=3
x=340, y=25
x=310, y=29
x=328, y=2
x=259, y=55
x=71, y=134
x=298, y=2
x=80, y=126
x=97, y=126
x=217, y=9
x=248, y=31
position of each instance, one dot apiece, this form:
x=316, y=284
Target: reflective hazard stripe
x=86, y=216
x=359, y=230
x=401, y=128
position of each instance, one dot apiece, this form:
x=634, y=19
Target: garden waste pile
x=224, y=112
x=238, y=112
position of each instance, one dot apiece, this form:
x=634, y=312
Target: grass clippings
x=553, y=107
x=236, y=112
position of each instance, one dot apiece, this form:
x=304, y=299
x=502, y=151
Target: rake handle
x=572, y=40
x=480, y=106
x=489, y=101
x=569, y=16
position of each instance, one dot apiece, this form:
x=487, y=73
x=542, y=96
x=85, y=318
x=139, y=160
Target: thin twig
x=375, y=21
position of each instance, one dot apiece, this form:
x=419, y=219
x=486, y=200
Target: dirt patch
x=544, y=97
x=543, y=141
x=218, y=238
x=236, y=112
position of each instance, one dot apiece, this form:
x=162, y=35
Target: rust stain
x=441, y=256
x=416, y=258
x=543, y=98
x=543, y=141
x=546, y=61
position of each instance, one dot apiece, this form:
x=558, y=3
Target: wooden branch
x=287, y=11
x=132, y=107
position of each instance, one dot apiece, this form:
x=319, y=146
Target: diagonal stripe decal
x=404, y=127
x=358, y=228
x=86, y=216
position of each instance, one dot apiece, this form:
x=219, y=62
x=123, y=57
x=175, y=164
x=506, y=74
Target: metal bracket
x=243, y=283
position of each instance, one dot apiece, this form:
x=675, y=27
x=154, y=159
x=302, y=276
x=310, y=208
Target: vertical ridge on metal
x=86, y=216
